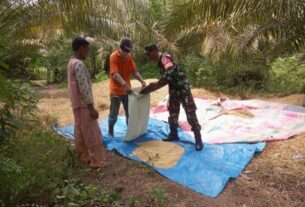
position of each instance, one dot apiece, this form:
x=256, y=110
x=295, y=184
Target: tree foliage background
x=241, y=30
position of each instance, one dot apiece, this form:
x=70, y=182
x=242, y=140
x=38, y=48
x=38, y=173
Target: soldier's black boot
x=173, y=135
x=198, y=140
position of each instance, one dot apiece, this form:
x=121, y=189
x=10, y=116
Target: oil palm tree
x=239, y=28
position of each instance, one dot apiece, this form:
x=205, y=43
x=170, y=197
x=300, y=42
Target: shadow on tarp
x=206, y=172
x=295, y=108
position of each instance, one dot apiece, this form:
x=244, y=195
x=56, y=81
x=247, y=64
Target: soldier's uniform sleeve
x=167, y=64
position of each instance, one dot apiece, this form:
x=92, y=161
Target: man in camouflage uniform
x=179, y=93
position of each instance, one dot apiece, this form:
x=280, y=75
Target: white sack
x=139, y=108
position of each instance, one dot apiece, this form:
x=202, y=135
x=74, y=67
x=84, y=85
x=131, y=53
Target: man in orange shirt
x=122, y=66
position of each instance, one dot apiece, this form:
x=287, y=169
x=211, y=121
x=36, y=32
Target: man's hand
x=143, y=84
x=152, y=87
x=93, y=113
x=127, y=88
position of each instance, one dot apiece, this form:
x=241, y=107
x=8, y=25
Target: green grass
x=38, y=167
x=159, y=196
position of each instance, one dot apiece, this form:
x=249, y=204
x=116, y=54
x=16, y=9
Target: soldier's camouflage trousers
x=189, y=106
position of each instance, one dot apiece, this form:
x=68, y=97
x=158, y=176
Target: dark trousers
x=189, y=106
x=115, y=102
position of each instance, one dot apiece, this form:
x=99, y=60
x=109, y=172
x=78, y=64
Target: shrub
x=287, y=75
x=241, y=75
x=200, y=72
x=101, y=76
x=38, y=167
x=17, y=106
x=148, y=70
x=226, y=74
x=42, y=160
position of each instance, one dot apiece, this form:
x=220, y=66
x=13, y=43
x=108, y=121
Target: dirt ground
x=274, y=177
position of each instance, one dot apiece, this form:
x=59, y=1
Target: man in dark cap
x=88, y=136
x=122, y=66
x=179, y=93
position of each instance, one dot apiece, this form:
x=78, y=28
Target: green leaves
x=76, y=193
x=287, y=75
x=18, y=105
x=234, y=28
x=8, y=165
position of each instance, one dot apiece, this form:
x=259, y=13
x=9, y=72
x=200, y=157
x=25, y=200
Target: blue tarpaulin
x=206, y=172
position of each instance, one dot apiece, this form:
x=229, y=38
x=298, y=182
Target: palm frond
x=280, y=22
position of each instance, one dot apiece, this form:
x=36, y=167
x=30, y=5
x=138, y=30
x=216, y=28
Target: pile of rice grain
x=159, y=154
